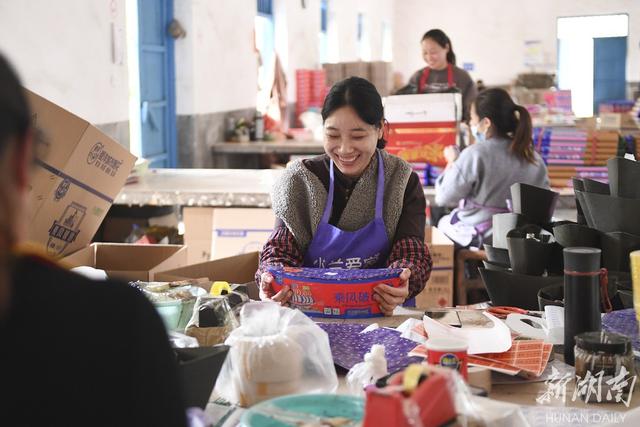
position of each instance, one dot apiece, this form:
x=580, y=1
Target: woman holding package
x=355, y=206
x=479, y=179
x=441, y=73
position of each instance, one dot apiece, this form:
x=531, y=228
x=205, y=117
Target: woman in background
x=441, y=73
x=479, y=179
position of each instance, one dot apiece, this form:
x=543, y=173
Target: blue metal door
x=157, y=83
x=609, y=70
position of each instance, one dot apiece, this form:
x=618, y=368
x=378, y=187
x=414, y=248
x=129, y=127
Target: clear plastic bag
x=275, y=351
x=212, y=320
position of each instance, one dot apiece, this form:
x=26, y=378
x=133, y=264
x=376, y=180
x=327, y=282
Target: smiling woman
x=356, y=206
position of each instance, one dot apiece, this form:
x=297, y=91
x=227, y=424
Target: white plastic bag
x=368, y=372
x=275, y=351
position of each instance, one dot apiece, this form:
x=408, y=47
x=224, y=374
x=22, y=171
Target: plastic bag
x=368, y=372
x=275, y=351
x=212, y=320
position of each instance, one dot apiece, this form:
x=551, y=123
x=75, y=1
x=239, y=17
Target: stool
x=462, y=285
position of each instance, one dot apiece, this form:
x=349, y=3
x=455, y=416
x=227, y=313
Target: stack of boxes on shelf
x=377, y=72
x=570, y=152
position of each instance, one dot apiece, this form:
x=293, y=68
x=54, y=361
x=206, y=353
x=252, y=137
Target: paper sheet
x=496, y=339
x=554, y=315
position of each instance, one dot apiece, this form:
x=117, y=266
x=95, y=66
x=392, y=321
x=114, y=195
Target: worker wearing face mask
x=479, y=178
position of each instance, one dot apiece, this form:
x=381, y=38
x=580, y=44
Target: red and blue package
x=334, y=292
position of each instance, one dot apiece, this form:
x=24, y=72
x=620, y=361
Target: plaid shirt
x=409, y=252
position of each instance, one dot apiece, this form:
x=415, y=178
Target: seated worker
x=441, y=73
x=74, y=351
x=356, y=206
x=481, y=177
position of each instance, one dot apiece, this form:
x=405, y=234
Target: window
x=265, y=45
x=363, y=38
x=324, y=36
x=387, y=49
x=576, y=55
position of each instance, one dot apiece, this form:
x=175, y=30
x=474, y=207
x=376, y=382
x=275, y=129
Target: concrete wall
x=63, y=50
x=491, y=33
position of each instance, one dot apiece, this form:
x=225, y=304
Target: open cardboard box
x=129, y=262
x=238, y=269
x=79, y=171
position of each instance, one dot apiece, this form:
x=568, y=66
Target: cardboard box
x=239, y=269
x=79, y=172
x=420, y=126
x=356, y=69
x=214, y=233
x=423, y=108
x=334, y=73
x=381, y=76
x=129, y=262
x=439, y=289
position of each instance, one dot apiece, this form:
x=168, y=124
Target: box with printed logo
x=438, y=291
x=214, y=233
x=79, y=171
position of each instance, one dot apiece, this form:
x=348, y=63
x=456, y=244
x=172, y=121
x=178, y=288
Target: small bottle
x=581, y=296
x=258, y=124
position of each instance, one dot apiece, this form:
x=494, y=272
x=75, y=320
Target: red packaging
x=448, y=353
x=432, y=402
x=421, y=142
x=334, y=292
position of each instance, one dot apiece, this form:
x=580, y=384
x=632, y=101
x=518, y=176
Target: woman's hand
x=266, y=290
x=450, y=153
x=389, y=297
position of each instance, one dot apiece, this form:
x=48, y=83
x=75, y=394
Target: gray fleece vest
x=298, y=199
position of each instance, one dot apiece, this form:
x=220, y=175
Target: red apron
x=424, y=77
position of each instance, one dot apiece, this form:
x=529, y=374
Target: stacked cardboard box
x=379, y=73
x=420, y=126
x=213, y=233
x=439, y=289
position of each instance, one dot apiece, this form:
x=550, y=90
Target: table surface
x=520, y=394
x=225, y=187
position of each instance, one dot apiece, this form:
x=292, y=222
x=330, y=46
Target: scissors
x=502, y=311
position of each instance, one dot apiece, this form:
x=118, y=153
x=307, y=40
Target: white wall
x=63, y=51
x=376, y=12
x=216, y=67
x=491, y=33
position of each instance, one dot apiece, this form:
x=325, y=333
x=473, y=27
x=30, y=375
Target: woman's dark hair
x=15, y=116
x=443, y=40
x=508, y=120
x=362, y=96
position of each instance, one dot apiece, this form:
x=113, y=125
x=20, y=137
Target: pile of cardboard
x=377, y=72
